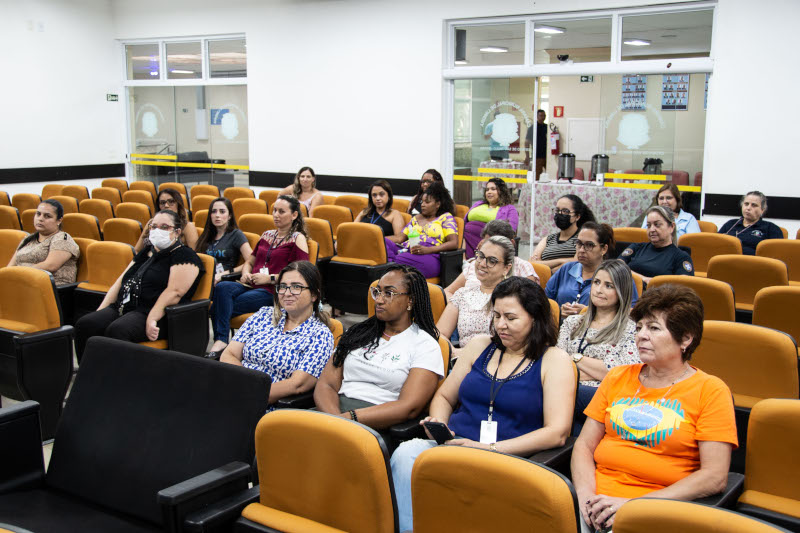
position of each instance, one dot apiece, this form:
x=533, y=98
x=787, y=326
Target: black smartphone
x=438, y=431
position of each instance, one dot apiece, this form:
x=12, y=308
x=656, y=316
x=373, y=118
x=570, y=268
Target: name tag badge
x=126, y=297
x=488, y=431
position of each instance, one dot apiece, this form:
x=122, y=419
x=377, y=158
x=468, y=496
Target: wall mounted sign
x=634, y=92
x=675, y=92
x=558, y=111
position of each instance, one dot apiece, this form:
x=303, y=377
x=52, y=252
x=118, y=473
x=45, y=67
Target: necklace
x=661, y=401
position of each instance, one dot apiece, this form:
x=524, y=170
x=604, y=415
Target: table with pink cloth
x=618, y=207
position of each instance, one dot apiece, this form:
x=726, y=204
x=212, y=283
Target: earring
x=408, y=308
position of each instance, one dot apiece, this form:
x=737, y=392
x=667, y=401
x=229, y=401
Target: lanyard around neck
x=492, y=392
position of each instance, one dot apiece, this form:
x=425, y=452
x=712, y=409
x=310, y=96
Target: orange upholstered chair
x=707, y=227
x=717, y=296
x=180, y=187
x=707, y=245
x=320, y=230
x=135, y=211
x=124, y=230
x=27, y=220
x=110, y=194
x=777, y=308
x=81, y=225
x=9, y=242
x=244, y=206
x=205, y=190
x=202, y=202
x=148, y=186
x=232, y=193
x=631, y=235
x=355, y=203
x=543, y=271
x=119, y=184
x=257, y=224
x=269, y=196
x=139, y=197
x=51, y=189
x=335, y=214
x=9, y=218
x=102, y=209
x=69, y=203
x=786, y=251
x=747, y=275
x=24, y=201
x=79, y=192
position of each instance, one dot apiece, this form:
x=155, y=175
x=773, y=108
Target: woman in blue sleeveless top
x=513, y=392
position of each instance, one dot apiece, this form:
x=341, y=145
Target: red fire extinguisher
x=555, y=140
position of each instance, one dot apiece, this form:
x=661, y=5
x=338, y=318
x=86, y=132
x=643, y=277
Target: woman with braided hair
x=385, y=369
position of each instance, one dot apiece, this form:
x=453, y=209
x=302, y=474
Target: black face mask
x=562, y=221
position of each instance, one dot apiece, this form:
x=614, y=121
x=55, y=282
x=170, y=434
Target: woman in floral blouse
x=290, y=341
x=437, y=229
x=603, y=337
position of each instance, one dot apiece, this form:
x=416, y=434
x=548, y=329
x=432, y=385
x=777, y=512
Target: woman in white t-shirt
x=385, y=369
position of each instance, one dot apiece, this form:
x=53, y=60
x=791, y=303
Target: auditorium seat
x=269, y=196
x=119, y=184
x=244, y=206
x=69, y=203
x=180, y=187
x=631, y=235
x=335, y=214
x=707, y=227
x=543, y=271
x=200, y=218
x=101, y=209
x=401, y=204
x=320, y=230
x=295, y=446
x=456, y=488
x=452, y=260
x=232, y=193
x=27, y=220
x=785, y=232
x=256, y=223
x=110, y=194
x=81, y=225
x=202, y=202
x=747, y=274
x=555, y=311
x=122, y=230
x=9, y=218
x=717, y=296
x=105, y=262
x=24, y=201
x=354, y=202
x=143, y=185
x=784, y=250
x=35, y=345
x=9, y=242
x=678, y=177
x=203, y=189
x=328, y=199
x=655, y=515
x=139, y=212
x=707, y=245
x=771, y=491
x=79, y=192
x=51, y=189
x=4, y=199
x=461, y=210
x=139, y=197
x=777, y=308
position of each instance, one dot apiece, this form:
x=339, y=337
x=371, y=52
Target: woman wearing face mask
x=496, y=205
x=603, y=337
x=172, y=200
x=256, y=288
x=49, y=248
x=751, y=229
x=571, y=285
x=305, y=189
x=468, y=309
x=429, y=176
x=437, y=229
x=223, y=240
x=165, y=273
x=559, y=248
x=379, y=209
x=661, y=255
x=669, y=196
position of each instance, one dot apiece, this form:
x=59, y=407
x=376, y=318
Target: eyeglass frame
x=387, y=296
x=167, y=201
x=290, y=288
x=585, y=245
x=565, y=211
x=491, y=262
x=162, y=227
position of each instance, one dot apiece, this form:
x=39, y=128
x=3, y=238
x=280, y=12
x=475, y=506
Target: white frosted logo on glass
x=149, y=123
x=504, y=129
x=634, y=131
x=230, y=126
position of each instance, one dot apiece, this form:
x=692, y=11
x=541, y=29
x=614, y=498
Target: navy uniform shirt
x=752, y=234
x=647, y=260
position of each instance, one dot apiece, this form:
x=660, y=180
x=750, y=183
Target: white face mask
x=160, y=238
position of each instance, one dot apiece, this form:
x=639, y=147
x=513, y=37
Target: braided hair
x=369, y=332
x=298, y=224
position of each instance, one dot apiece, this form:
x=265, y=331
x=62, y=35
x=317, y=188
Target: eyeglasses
x=387, y=295
x=588, y=246
x=165, y=227
x=168, y=201
x=294, y=289
x=558, y=211
x=490, y=261
x=427, y=181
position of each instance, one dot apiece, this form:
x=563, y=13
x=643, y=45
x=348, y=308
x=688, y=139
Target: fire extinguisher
x=555, y=140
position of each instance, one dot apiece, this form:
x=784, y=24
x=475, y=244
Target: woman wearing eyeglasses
x=385, y=369
x=558, y=248
x=291, y=340
x=468, y=309
x=172, y=200
x=164, y=273
x=571, y=285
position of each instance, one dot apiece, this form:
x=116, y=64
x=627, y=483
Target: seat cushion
x=771, y=502
x=13, y=325
x=275, y=519
x=47, y=510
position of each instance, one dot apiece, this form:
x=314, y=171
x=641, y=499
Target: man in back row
x=541, y=143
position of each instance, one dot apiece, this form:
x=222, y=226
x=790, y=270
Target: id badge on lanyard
x=489, y=426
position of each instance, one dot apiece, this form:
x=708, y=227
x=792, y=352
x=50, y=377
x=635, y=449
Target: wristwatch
x=493, y=446
x=576, y=357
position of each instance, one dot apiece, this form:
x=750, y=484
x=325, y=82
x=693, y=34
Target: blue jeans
x=231, y=298
x=402, y=462
x=585, y=395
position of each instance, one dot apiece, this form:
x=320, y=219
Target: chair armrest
x=21, y=447
x=220, y=516
x=727, y=498
x=555, y=457
x=180, y=500
x=452, y=262
x=410, y=429
x=304, y=400
x=187, y=327
x=233, y=276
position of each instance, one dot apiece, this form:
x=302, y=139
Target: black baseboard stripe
x=63, y=173
x=785, y=207
x=343, y=184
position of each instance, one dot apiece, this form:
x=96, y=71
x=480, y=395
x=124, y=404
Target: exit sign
x=587, y=79
x=112, y=98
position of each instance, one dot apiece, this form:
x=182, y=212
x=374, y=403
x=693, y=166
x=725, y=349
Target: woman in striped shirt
x=559, y=248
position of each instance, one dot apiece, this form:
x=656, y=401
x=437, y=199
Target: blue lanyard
x=376, y=216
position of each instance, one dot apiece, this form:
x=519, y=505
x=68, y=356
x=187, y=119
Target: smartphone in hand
x=438, y=431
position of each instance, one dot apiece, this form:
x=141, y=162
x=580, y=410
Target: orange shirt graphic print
x=644, y=422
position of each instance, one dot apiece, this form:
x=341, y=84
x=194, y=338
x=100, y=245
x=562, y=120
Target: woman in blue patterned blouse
x=290, y=341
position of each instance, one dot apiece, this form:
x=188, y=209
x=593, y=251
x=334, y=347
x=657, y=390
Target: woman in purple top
x=496, y=205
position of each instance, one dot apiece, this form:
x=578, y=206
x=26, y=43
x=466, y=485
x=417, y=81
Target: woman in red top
x=255, y=289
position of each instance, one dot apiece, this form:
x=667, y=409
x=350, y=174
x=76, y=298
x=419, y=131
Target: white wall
x=59, y=61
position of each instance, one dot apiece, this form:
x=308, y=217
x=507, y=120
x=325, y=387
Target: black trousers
x=107, y=323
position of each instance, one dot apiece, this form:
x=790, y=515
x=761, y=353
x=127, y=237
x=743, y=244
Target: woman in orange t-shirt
x=662, y=429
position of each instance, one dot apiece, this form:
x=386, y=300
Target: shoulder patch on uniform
x=627, y=251
x=757, y=233
x=687, y=266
